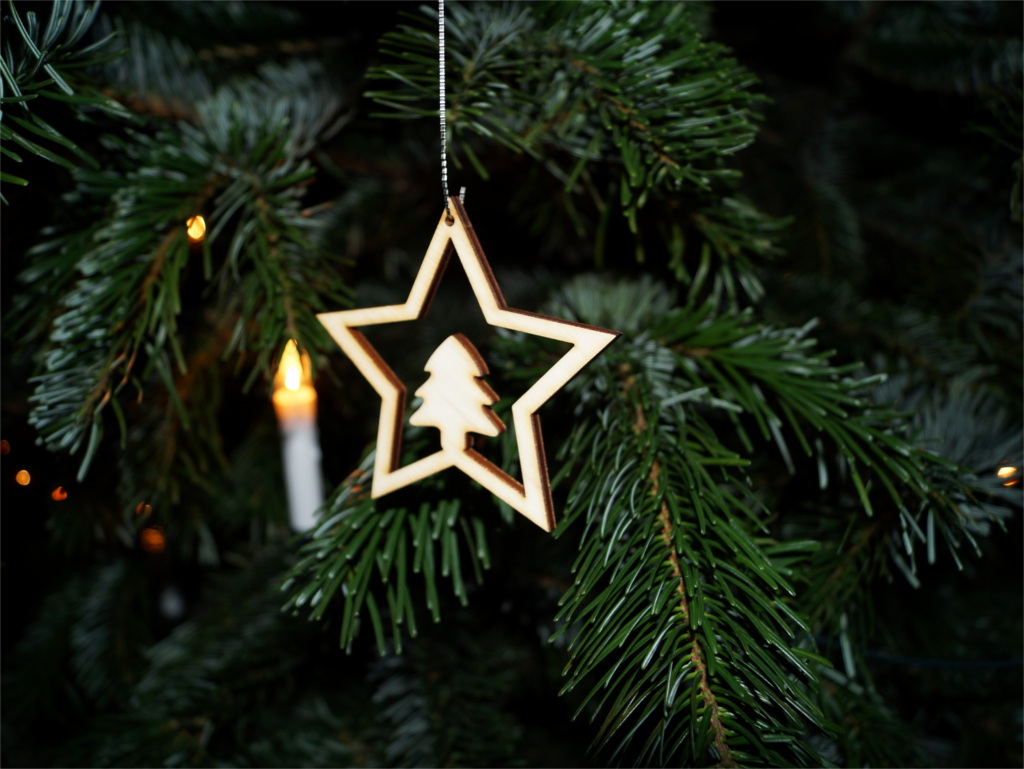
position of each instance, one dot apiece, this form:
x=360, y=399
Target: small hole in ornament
x=449, y=220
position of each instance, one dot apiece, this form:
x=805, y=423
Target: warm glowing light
x=59, y=494
x=294, y=395
x=1006, y=472
x=293, y=372
x=295, y=407
x=23, y=478
x=5, y=447
x=196, y=229
x=143, y=509
x=152, y=539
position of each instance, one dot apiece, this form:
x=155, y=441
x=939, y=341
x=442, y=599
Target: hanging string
x=444, y=136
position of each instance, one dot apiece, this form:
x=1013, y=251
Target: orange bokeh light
x=23, y=478
x=59, y=494
x=152, y=539
x=143, y=509
x=5, y=447
x=196, y=229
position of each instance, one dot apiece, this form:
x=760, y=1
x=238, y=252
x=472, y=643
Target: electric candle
x=295, y=405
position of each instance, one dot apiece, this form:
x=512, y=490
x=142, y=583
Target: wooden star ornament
x=455, y=398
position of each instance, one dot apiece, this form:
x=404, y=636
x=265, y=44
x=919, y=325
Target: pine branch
x=177, y=54
x=444, y=702
x=37, y=61
x=39, y=670
x=1005, y=125
x=674, y=599
x=363, y=549
x=679, y=367
x=109, y=634
x=698, y=655
x=155, y=76
x=171, y=478
x=126, y=307
x=967, y=48
x=772, y=375
x=121, y=299
x=83, y=653
x=566, y=85
x=872, y=735
x=210, y=690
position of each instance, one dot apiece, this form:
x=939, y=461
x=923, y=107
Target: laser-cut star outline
x=532, y=496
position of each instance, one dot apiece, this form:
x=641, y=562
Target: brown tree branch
x=696, y=649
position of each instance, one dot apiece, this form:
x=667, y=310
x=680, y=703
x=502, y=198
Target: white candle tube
x=295, y=405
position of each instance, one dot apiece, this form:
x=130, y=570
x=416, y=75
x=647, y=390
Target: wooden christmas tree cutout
x=455, y=399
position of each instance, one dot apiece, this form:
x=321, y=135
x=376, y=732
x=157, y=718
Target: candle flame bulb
x=295, y=405
x=293, y=371
x=294, y=396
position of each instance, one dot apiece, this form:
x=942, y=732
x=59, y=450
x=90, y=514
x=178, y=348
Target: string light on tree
x=1007, y=473
x=196, y=228
x=152, y=539
x=295, y=404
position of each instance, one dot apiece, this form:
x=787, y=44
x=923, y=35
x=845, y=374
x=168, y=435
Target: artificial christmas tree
x=788, y=495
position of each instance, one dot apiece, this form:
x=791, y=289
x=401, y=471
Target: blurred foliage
x=538, y=81
x=39, y=62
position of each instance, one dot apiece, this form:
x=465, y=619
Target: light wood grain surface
x=456, y=400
